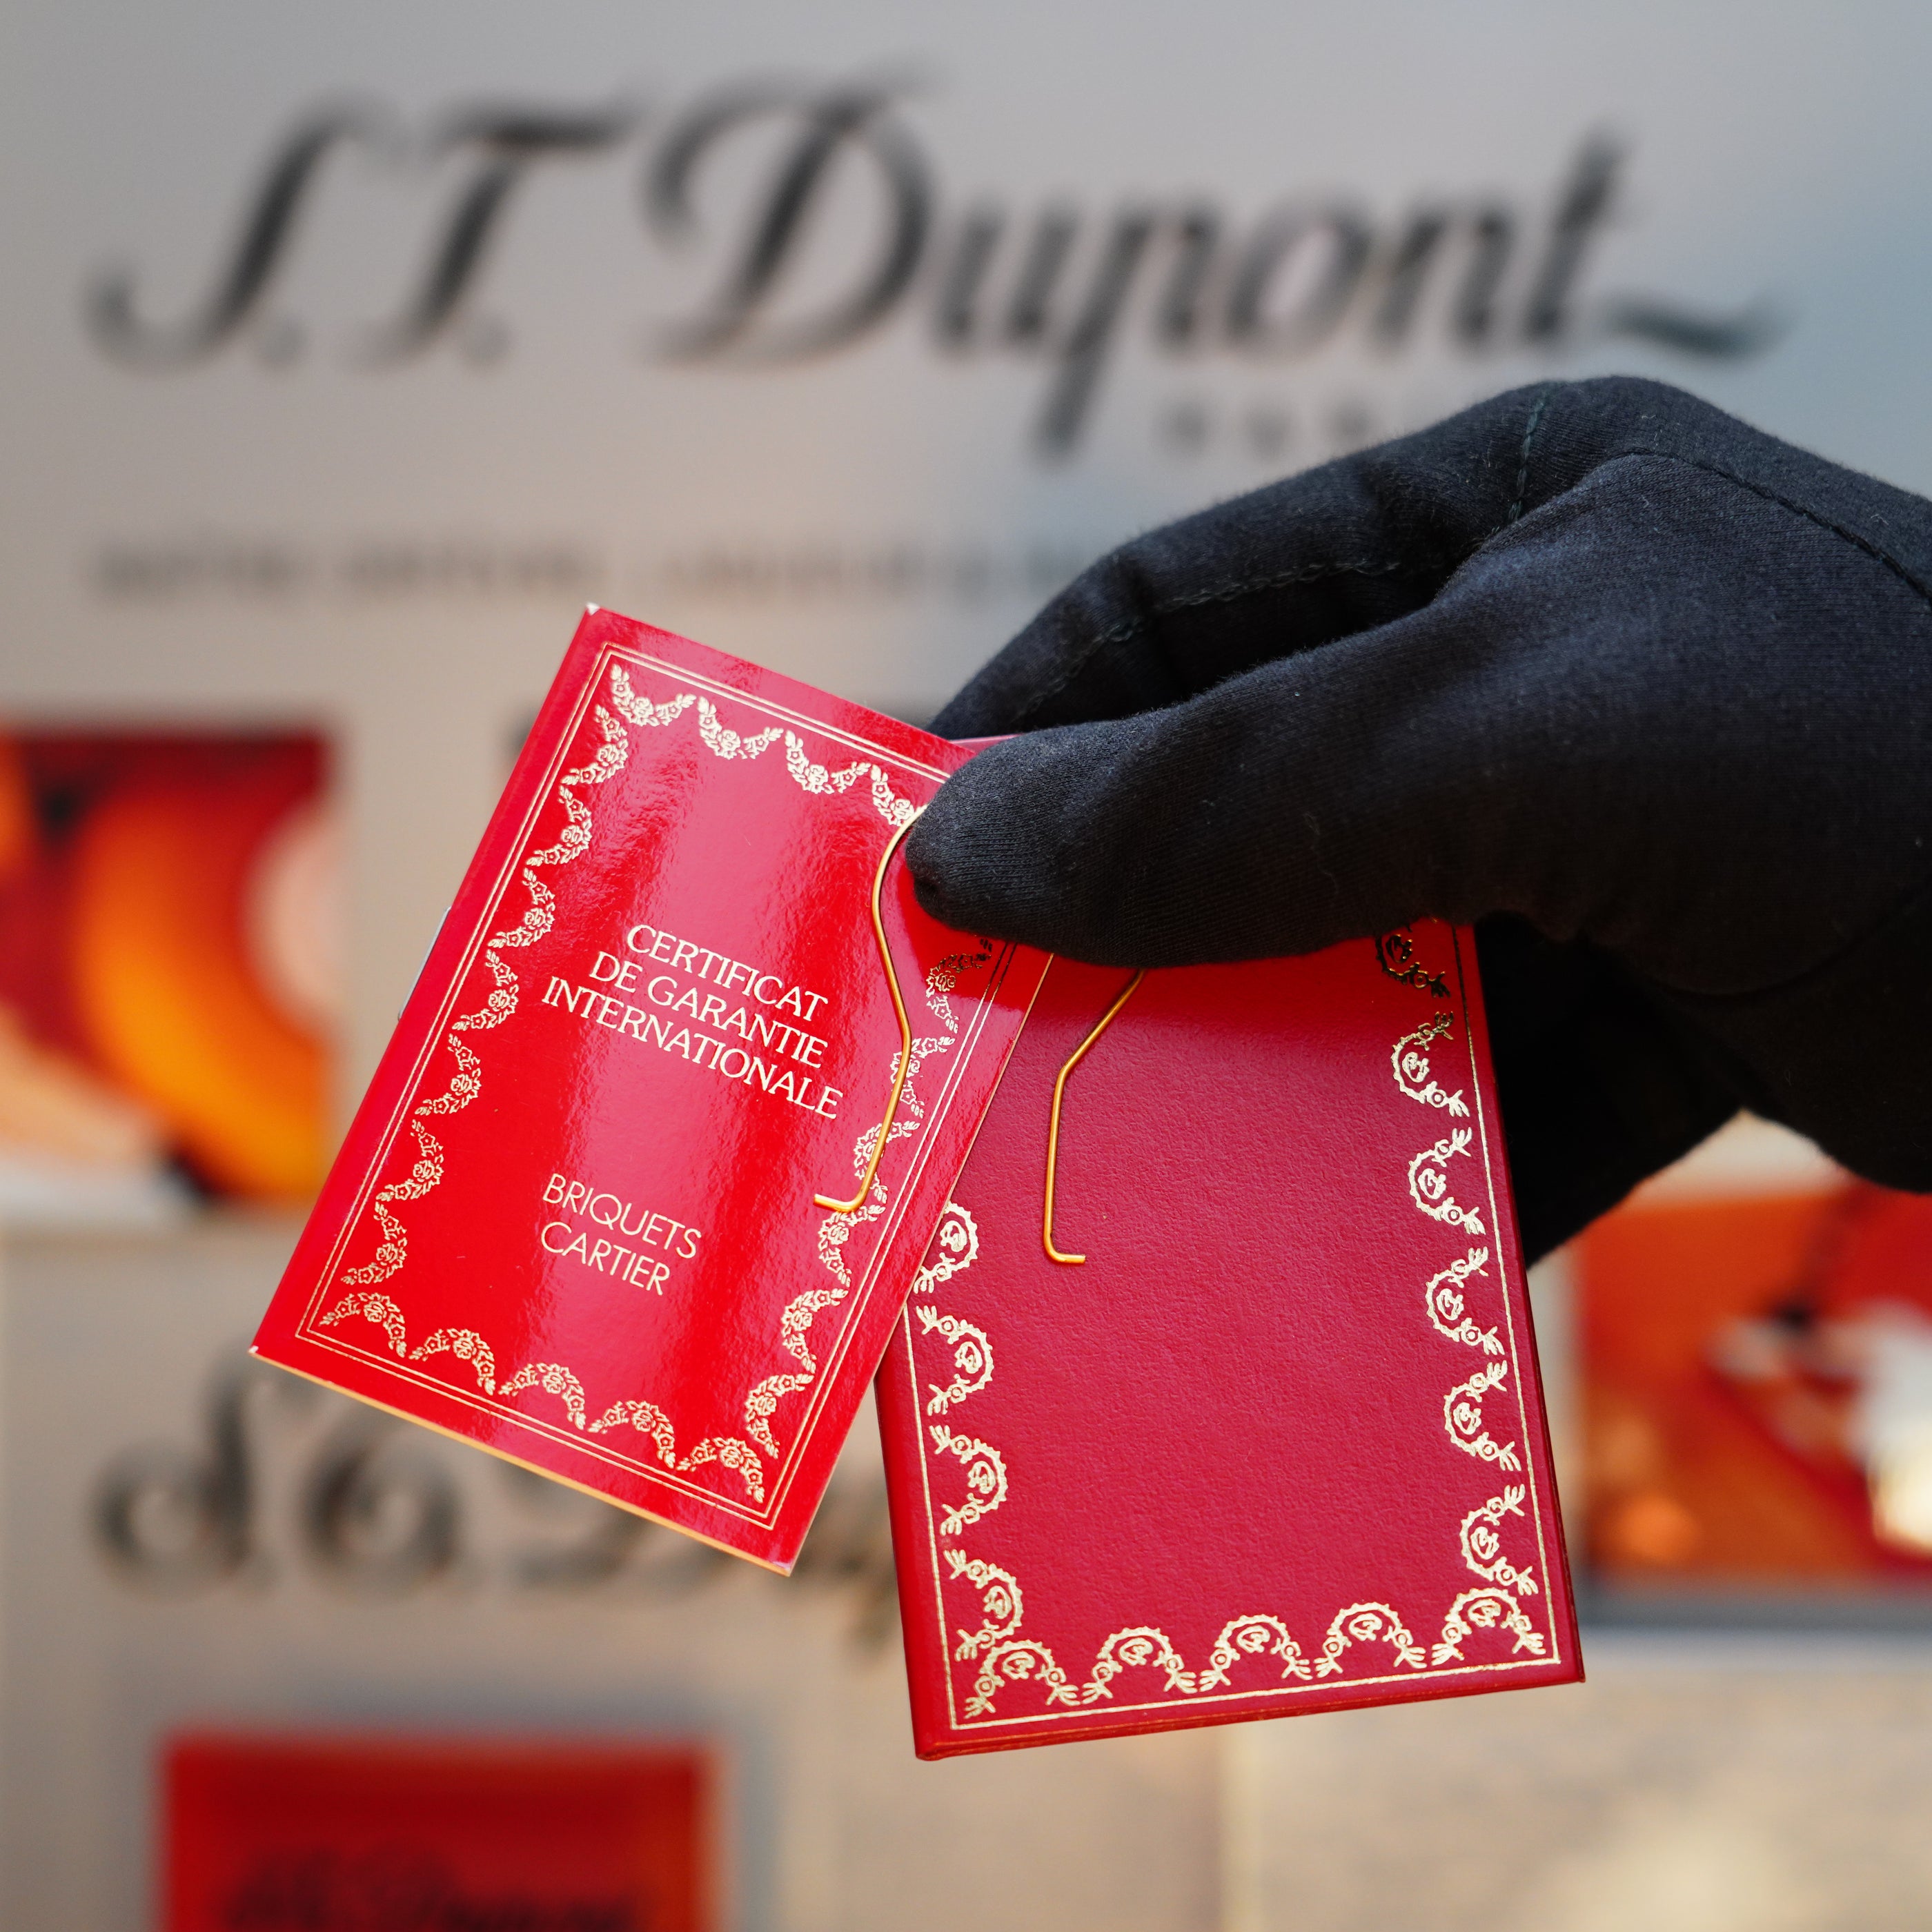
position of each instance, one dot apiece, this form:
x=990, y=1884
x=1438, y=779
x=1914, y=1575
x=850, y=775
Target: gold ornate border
x=365, y=1302
x=1004, y=1655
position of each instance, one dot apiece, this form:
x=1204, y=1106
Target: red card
x=575, y=1220
x=307, y=1831
x=1278, y=1445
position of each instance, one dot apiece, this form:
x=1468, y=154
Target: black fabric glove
x=1646, y=693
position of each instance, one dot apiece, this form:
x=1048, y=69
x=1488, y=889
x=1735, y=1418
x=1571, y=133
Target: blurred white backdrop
x=838, y=336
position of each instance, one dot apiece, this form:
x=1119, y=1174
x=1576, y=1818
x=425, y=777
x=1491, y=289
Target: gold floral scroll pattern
x=958, y=1242
x=1443, y=1298
x=1014, y=1662
x=465, y=1083
x=761, y=1405
x=1479, y=1537
x=1001, y=1603
x=1395, y=953
x=372, y=1307
x=1411, y=1065
x=553, y=1379
x=726, y=743
x=1462, y=1417
x=467, y=1345
x=651, y=1420
x=986, y=1477
x=837, y=1229
x=1001, y=1608
x=1252, y=1637
x=1429, y=1183
x=393, y=1249
x=1367, y=1623
x=1483, y=1547
x=972, y=1358
x=1137, y=1648
x=1476, y=1610
x=1004, y=1656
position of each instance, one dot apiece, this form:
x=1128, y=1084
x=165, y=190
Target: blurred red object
x=325, y=1834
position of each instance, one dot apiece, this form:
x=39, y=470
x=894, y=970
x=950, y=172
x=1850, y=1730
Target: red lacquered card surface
x=575, y=1220
x=1278, y=1445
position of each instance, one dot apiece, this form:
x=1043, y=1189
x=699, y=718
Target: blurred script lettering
x=816, y=217
x=280, y=1479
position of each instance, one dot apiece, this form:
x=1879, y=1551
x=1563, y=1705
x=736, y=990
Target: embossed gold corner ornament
x=1005, y=1656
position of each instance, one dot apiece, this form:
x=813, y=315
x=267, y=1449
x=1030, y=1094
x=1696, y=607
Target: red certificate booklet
x=671, y=1115
x=1277, y=1444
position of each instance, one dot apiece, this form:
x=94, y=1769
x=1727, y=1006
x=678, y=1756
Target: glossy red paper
x=573, y=1219
x=1278, y=1444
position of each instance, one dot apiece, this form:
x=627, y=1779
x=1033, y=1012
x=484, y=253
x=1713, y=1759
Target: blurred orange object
x=165, y=990
x=166, y=932
x=1731, y=1348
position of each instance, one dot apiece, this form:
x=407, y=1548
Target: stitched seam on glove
x=1226, y=593
x=1873, y=550
x=1543, y=396
x=1229, y=593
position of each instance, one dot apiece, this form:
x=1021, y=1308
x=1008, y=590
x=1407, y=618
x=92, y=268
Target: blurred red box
x=265, y=1833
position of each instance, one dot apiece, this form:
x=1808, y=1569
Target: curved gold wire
x=905, y=1033
x=1107, y=1018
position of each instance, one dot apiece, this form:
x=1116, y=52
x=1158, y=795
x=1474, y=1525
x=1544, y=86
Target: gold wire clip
x=1106, y=1020
x=905, y=1033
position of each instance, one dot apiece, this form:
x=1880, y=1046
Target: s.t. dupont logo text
x=817, y=221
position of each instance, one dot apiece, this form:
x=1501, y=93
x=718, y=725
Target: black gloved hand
x=1647, y=693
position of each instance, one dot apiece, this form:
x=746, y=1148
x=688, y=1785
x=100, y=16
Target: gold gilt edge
x=1303, y=1675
